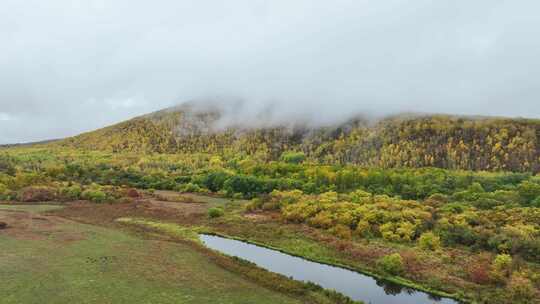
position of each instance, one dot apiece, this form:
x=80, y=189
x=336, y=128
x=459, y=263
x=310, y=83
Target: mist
x=72, y=66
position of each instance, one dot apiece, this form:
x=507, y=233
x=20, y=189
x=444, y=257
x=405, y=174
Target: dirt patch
x=29, y=226
x=185, y=208
x=3, y=225
x=106, y=214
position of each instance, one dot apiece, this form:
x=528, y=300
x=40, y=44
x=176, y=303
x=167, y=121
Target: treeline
x=247, y=177
x=492, y=144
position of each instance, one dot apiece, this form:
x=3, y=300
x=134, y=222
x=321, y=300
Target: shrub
x=248, y=185
x=133, y=193
x=429, y=241
x=4, y=192
x=360, y=196
x=96, y=196
x=501, y=267
x=341, y=231
x=520, y=289
x=478, y=270
x=412, y=263
x=71, y=193
x=438, y=197
x=363, y=229
x=189, y=187
x=536, y=202
x=238, y=196
x=392, y=264
x=271, y=205
x=36, y=194
x=254, y=204
x=529, y=191
x=286, y=197
x=293, y=157
x=323, y=219
x=487, y=203
x=214, y=181
x=215, y=212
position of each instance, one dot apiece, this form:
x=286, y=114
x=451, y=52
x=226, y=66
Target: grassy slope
x=109, y=266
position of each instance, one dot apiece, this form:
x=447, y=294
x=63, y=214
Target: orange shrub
x=36, y=194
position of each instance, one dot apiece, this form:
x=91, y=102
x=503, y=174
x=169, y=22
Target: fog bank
x=73, y=66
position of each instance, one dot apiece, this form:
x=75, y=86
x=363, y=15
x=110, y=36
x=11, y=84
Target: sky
x=69, y=66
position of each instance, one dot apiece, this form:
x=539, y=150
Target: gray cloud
x=71, y=66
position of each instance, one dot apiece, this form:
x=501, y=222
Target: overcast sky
x=69, y=66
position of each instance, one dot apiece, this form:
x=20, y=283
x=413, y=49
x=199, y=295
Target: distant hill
x=453, y=142
x=28, y=143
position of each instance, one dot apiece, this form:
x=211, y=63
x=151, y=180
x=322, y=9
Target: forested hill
x=402, y=141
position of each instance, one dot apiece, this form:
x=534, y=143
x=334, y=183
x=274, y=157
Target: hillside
x=443, y=141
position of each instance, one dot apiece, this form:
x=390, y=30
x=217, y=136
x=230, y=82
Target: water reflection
x=355, y=285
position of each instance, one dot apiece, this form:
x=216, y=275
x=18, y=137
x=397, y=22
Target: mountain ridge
x=412, y=140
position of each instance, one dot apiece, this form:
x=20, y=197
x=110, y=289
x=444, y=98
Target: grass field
x=48, y=259
x=29, y=208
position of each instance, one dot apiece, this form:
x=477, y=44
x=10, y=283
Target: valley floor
x=147, y=252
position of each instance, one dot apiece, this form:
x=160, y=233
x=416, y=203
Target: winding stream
x=357, y=286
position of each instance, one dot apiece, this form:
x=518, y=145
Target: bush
x=132, y=193
x=479, y=273
x=429, y=241
x=501, y=268
x=391, y=264
x=341, y=231
x=96, y=196
x=478, y=269
x=323, y=219
x=528, y=191
x=247, y=185
x=271, y=205
x=520, y=289
x=438, y=197
x=4, y=192
x=536, y=202
x=238, y=196
x=487, y=203
x=254, y=204
x=71, y=193
x=36, y=194
x=293, y=157
x=214, y=181
x=215, y=212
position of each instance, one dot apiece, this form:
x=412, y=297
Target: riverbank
x=385, y=278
